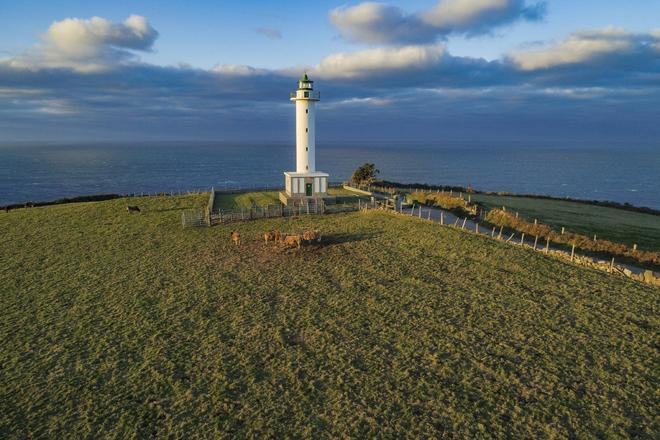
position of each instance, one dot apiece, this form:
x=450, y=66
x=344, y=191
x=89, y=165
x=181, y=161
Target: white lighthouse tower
x=305, y=182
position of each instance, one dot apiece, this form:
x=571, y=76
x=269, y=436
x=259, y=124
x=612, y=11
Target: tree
x=365, y=174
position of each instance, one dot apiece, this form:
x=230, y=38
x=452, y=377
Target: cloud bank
x=85, y=80
x=595, y=47
x=379, y=23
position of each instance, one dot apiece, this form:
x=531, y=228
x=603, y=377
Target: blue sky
x=422, y=70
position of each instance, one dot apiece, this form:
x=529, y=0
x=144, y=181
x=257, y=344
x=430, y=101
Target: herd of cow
x=288, y=240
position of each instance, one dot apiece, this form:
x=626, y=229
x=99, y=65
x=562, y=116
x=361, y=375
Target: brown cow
x=270, y=236
x=132, y=209
x=291, y=240
x=309, y=236
x=235, y=237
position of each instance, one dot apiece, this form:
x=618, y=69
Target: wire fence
x=207, y=217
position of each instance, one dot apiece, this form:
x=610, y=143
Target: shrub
x=444, y=201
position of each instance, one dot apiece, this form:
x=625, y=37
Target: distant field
x=118, y=325
x=263, y=198
x=609, y=223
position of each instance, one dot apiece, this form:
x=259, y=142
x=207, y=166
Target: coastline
x=381, y=186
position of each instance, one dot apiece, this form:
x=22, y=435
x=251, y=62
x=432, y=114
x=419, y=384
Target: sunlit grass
x=613, y=224
x=247, y=200
x=125, y=325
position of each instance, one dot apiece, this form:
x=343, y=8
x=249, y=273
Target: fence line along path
x=213, y=214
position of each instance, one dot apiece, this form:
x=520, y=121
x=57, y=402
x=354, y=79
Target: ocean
x=615, y=172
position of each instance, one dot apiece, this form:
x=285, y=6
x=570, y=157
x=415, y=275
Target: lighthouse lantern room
x=305, y=182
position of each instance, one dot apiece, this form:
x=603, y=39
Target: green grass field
x=612, y=224
x=118, y=325
x=263, y=198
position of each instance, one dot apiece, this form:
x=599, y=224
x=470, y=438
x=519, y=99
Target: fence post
x=442, y=218
x=429, y=215
x=572, y=252
x=463, y=225
x=476, y=227
x=492, y=234
x=547, y=245
x=536, y=240
x=522, y=239
x=562, y=230
x=612, y=265
x=500, y=234
x=420, y=211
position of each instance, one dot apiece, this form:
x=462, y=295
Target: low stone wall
x=648, y=276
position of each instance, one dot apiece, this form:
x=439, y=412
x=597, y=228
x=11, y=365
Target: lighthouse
x=305, y=183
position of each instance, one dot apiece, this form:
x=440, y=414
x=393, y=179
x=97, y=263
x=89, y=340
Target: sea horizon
x=605, y=171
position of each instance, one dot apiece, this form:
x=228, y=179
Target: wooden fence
x=223, y=216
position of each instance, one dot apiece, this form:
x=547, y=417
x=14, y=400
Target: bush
x=444, y=201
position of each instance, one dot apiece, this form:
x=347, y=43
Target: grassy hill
x=618, y=225
x=128, y=325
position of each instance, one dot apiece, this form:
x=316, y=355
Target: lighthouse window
x=306, y=148
x=307, y=130
x=306, y=167
x=306, y=94
x=306, y=110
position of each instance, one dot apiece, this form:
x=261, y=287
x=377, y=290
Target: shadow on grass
x=332, y=239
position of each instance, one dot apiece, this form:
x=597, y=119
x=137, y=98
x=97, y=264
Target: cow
x=309, y=236
x=235, y=237
x=270, y=236
x=130, y=209
x=292, y=240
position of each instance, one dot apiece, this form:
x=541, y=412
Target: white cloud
x=372, y=62
x=474, y=15
x=378, y=23
x=581, y=47
x=89, y=44
x=272, y=33
x=372, y=22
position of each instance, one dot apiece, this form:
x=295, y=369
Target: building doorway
x=308, y=190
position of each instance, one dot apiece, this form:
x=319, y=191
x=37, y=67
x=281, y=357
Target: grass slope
x=611, y=224
x=128, y=325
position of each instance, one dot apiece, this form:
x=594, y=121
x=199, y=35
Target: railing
x=305, y=94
